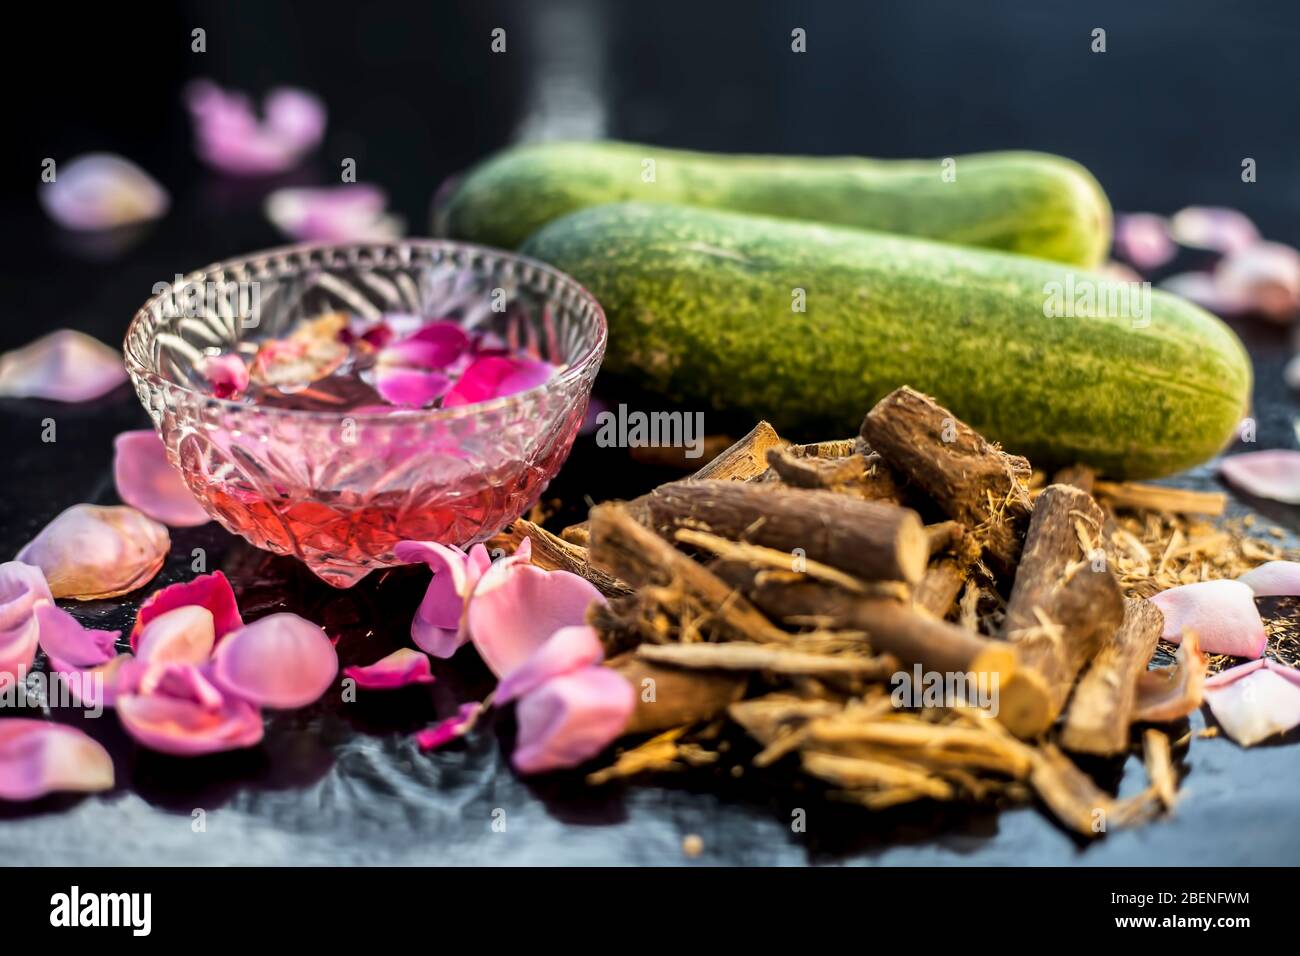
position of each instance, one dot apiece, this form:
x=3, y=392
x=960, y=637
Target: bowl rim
x=397, y=415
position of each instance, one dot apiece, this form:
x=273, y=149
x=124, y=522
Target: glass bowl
x=338, y=489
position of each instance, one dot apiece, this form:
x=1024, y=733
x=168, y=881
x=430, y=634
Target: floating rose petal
x=438, y=627
x=410, y=387
x=147, y=481
x=183, y=635
x=69, y=645
x=495, y=376
x=1171, y=693
x=281, y=661
x=453, y=728
x=188, y=728
x=568, y=649
x=1214, y=228
x=37, y=757
x=22, y=587
x=313, y=351
x=211, y=591
x=1273, y=579
x=517, y=606
x=398, y=669
x=1264, y=277
x=350, y=213
x=571, y=718
x=229, y=136
x=1142, y=240
x=1272, y=474
x=1256, y=700
x=1222, y=613
x=102, y=191
x=64, y=366
x=226, y=375
x=90, y=551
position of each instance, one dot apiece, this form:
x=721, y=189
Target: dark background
x=1164, y=118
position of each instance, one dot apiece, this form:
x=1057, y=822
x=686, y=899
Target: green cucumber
x=703, y=306
x=1029, y=203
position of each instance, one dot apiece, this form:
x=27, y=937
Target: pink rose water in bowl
x=329, y=402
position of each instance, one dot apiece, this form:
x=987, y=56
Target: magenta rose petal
x=147, y=481
x=438, y=627
x=571, y=718
x=1215, y=228
x=102, y=191
x=495, y=376
x=1273, y=579
x=413, y=388
x=68, y=644
x=38, y=757
x=22, y=588
x=1142, y=240
x=1222, y=613
x=231, y=138
x=92, y=551
x=453, y=728
x=1256, y=700
x=226, y=374
x=187, y=728
x=64, y=366
x=399, y=669
x=281, y=661
x=183, y=635
x=568, y=649
x=211, y=591
x=1272, y=474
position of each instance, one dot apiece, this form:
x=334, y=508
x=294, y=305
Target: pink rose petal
x=229, y=136
x=438, y=627
x=38, y=757
x=64, y=366
x=1204, y=290
x=410, y=387
x=571, y=718
x=495, y=376
x=102, y=191
x=281, y=661
x=517, y=606
x=1256, y=700
x=1222, y=613
x=100, y=687
x=1214, y=228
x=350, y=213
x=179, y=680
x=69, y=645
x=226, y=374
x=22, y=588
x=568, y=649
x=211, y=591
x=1264, y=277
x=1272, y=474
x=188, y=728
x=398, y=669
x=91, y=551
x=147, y=481
x=453, y=728
x=183, y=635
x=1273, y=579
x=1142, y=239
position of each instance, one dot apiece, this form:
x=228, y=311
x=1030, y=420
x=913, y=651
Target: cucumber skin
x=700, y=309
x=1029, y=203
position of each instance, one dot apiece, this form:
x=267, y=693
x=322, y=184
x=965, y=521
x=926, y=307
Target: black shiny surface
x=414, y=100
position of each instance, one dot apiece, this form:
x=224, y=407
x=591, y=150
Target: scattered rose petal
x=226, y=374
x=1142, y=240
x=1204, y=290
x=568, y=649
x=453, y=728
x=1256, y=700
x=1272, y=474
x=68, y=644
x=91, y=551
x=411, y=388
x=571, y=718
x=100, y=687
x=229, y=136
x=351, y=213
x=398, y=669
x=1291, y=374
x=1264, y=277
x=64, y=366
x=1273, y=579
x=439, y=626
x=22, y=587
x=38, y=757
x=517, y=606
x=1222, y=613
x=188, y=728
x=183, y=635
x=495, y=376
x=1214, y=228
x=1171, y=693
x=102, y=191
x=147, y=481
x=211, y=591
x=281, y=661
x=180, y=680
